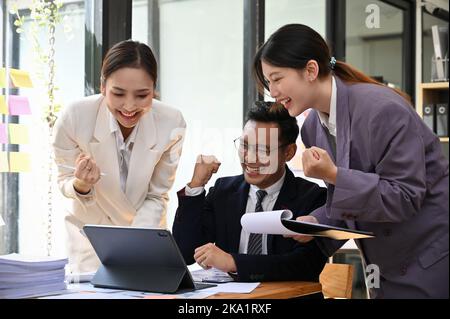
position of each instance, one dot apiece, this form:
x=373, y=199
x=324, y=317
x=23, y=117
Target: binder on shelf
x=428, y=116
x=440, y=44
x=442, y=119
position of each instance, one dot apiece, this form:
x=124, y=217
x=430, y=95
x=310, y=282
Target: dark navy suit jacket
x=216, y=218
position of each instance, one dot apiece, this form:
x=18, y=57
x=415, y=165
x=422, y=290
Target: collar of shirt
x=272, y=191
x=329, y=121
x=121, y=144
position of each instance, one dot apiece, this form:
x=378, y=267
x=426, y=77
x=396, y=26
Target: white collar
x=272, y=189
x=329, y=121
x=114, y=127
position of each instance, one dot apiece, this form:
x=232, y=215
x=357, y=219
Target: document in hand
x=279, y=222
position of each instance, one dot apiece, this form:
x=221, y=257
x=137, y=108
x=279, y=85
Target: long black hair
x=293, y=45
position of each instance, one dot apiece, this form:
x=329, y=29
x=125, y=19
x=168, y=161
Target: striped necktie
x=254, y=246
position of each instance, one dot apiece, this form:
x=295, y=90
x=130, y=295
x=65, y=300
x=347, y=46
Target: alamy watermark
x=372, y=276
x=373, y=19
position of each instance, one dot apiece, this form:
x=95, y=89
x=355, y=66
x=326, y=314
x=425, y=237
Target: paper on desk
x=279, y=223
x=88, y=291
x=88, y=287
x=91, y=295
x=210, y=274
x=80, y=277
x=234, y=287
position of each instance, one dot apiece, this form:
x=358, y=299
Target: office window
x=311, y=13
x=33, y=234
x=375, y=48
x=281, y=12
x=199, y=47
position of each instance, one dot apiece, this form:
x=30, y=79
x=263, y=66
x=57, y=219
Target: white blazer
x=84, y=127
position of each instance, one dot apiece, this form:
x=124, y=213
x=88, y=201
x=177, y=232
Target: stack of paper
x=24, y=276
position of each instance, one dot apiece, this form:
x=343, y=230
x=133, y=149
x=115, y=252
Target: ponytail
x=351, y=75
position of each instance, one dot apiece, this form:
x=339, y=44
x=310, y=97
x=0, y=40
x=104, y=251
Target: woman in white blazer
x=125, y=147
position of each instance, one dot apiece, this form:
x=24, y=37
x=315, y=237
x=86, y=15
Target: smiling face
x=289, y=87
x=262, y=155
x=129, y=93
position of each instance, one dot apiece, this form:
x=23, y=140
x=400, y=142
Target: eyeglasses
x=261, y=150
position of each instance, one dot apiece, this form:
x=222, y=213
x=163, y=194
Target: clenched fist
x=318, y=164
x=204, y=168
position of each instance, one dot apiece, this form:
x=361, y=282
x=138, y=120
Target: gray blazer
x=392, y=180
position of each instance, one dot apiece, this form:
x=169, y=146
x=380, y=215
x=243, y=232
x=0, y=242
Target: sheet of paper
x=234, y=287
x=3, y=79
x=280, y=223
x=211, y=275
x=91, y=295
x=88, y=291
x=4, y=166
x=267, y=222
x=19, y=105
x=3, y=106
x=18, y=134
x=19, y=162
x=20, y=79
x=3, y=134
x=88, y=287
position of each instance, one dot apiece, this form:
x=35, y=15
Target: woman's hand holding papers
x=304, y=238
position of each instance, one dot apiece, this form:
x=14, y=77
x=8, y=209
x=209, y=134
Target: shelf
x=431, y=93
x=444, y=139
x=434, y=85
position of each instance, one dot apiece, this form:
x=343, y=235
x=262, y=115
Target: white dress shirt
x=124, y=149
x=329, y=121
x=268, y=203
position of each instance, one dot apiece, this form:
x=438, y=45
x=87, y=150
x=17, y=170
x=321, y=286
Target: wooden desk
x=276, y=290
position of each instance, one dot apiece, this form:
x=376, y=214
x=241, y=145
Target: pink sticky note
x=3, y=136
x=19, y=105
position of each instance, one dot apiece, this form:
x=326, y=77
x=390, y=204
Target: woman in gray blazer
x=384, y=168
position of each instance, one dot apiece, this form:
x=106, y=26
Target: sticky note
x=20, y=79
x=3, y=134
x=19, y=105
x=19, y=162
x=4, y=167
x=18, y=134
x=3, y=107
x=2, y=78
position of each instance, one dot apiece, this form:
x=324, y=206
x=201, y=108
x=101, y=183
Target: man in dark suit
x=208, y=229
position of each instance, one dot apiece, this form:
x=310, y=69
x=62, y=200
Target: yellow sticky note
x=19, y=162
x=3, y=106
x=18, y=134
x=4, y=167
x=2, y=78
x=20, y=79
